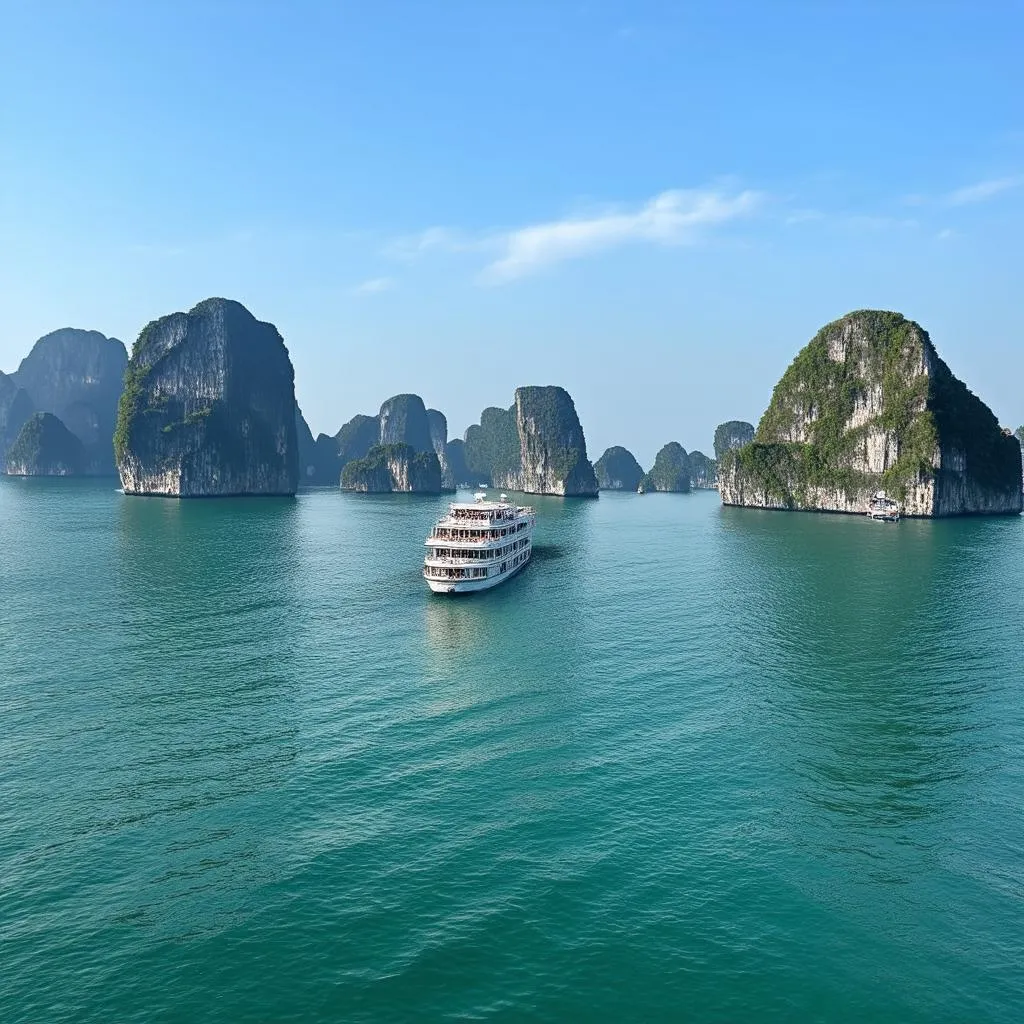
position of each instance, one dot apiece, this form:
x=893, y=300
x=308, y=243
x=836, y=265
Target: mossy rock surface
x=671, y=470
x=45, y=447
x=618, y=470
x=208, y=407
x=552, y=446
x=703, y=471
x=492, y=450
x=732, y=434
x=868, y=405
x=394, y=467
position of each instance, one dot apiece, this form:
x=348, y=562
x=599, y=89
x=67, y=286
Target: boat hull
x=471, y=586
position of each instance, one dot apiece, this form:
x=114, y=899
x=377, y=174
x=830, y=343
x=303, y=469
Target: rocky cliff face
x=439, y=439
x=15, y=409
x=356, y=438
x=552, y=448
x=455, y=451
x=394, y=467
x=492, y=448
x=306, y=448
x=733, y=434
x=320, y=460
x=703, y=472
x=671, y=470
x=868, y=405
x=78, y=376
x=618, y=470
x=537, y=446
x=45, y=447
x=208, y=407
x=403, y=420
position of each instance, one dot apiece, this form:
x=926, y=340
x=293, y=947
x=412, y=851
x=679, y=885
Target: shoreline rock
x=670, y=472
x=45, y=447
x=208, y=408
x=397, y=467
x=618, y=470
x=869, y=405
x=78, y=376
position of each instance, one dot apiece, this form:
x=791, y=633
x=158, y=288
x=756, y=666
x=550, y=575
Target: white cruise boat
x=478, y=545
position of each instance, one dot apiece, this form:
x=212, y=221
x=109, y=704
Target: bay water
x=693, y=763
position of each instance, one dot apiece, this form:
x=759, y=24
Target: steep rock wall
x=45, y=447
x=393, y=467
x=208, y=407
x=732, y=434
x=703, y=471
x=671, y=470
x=439, y=438
x=77, y=376
x=618, y=470
x=552, y=448
x=868, y=405
x=15, y=408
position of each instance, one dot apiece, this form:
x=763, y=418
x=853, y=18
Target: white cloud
x=944, y=234
x=374, y=285
x=671, y=218
x=982, y=190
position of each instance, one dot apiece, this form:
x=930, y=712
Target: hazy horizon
x=653, y=208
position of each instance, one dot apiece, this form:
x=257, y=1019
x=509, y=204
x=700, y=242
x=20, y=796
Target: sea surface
x=693, y=763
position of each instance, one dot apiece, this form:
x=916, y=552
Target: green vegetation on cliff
x=671, y=470
x=45, y=447
x=871, y=378
x=732, y=434
x=557, y=430
x=403, y=420
x=703, y=471
x=208, y=406
x=817, y=395
x=618, y=470
x=385, y=465
x=492, y=446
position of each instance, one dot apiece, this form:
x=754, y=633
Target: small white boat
x=478, y=545
x=883, y=508
x=641, y=490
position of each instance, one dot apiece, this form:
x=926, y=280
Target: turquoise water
x=693, y=763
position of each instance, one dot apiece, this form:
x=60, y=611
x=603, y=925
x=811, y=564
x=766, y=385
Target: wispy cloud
x=671, y=218
x=980, y=191
x=374, y=285
x=674, y=217
x=945, y=234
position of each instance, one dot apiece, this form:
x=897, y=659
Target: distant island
x=45, y=447
x=618, y=470
x=868, y=405
x=671, y=470
x=206, y=406
x=733, y=434
x=75, y=377
x=394, y=467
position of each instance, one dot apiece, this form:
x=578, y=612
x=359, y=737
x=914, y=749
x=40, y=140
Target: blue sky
x=653, y=205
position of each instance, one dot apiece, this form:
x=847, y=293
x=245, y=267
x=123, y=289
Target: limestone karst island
x=868, y=406
x=206, y=407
